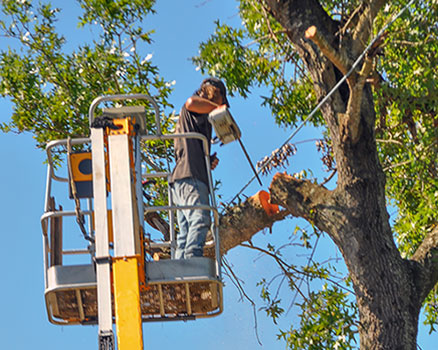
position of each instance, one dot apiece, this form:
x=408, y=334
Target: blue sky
x=180, y=26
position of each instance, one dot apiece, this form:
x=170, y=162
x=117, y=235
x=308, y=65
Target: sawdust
x=204, y=299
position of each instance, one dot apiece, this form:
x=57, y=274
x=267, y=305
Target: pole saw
x=226, y=130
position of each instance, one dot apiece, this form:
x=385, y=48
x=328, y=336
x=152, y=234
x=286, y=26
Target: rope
x=79, y=216
x=318, y=106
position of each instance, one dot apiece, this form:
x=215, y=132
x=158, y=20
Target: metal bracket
x=103, y=260
x=106, y=341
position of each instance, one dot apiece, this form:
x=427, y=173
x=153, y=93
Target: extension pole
x=249, y=161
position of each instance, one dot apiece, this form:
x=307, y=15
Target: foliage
x=327, y=321
x=328, y=314
x=52, y=86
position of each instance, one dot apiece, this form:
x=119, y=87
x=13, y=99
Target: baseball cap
x=219, y=84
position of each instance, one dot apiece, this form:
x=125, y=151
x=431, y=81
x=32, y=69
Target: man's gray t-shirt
x=189, y=154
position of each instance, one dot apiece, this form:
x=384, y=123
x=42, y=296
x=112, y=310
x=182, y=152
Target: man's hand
x=214, y=161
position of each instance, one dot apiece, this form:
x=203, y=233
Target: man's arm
x=200, y=105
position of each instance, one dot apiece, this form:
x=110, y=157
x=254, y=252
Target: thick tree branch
x=351, y=22
x=244, y=220
x=308, y=200
x=298, y=15
x=427, y=256
x=375, y=6
x=341, y=61
x=350, y=121
x=362, y=30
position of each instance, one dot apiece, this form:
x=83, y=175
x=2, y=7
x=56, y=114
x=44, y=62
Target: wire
x=318, y=106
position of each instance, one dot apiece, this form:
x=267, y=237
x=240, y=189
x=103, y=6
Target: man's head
x=214, y=90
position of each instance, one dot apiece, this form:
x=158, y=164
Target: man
x=189, y=181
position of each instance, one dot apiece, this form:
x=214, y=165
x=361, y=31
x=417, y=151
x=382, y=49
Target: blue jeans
x=193, y=223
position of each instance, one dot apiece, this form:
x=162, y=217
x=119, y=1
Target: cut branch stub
x=293, y=194
x=264, y=198
x=313, y=202
x=340, y=60
x=243, y=221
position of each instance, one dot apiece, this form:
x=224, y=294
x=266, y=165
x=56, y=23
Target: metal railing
x=170, y=209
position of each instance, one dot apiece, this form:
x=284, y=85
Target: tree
x=380, y=137
x=52, y=86
x=381, y=125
